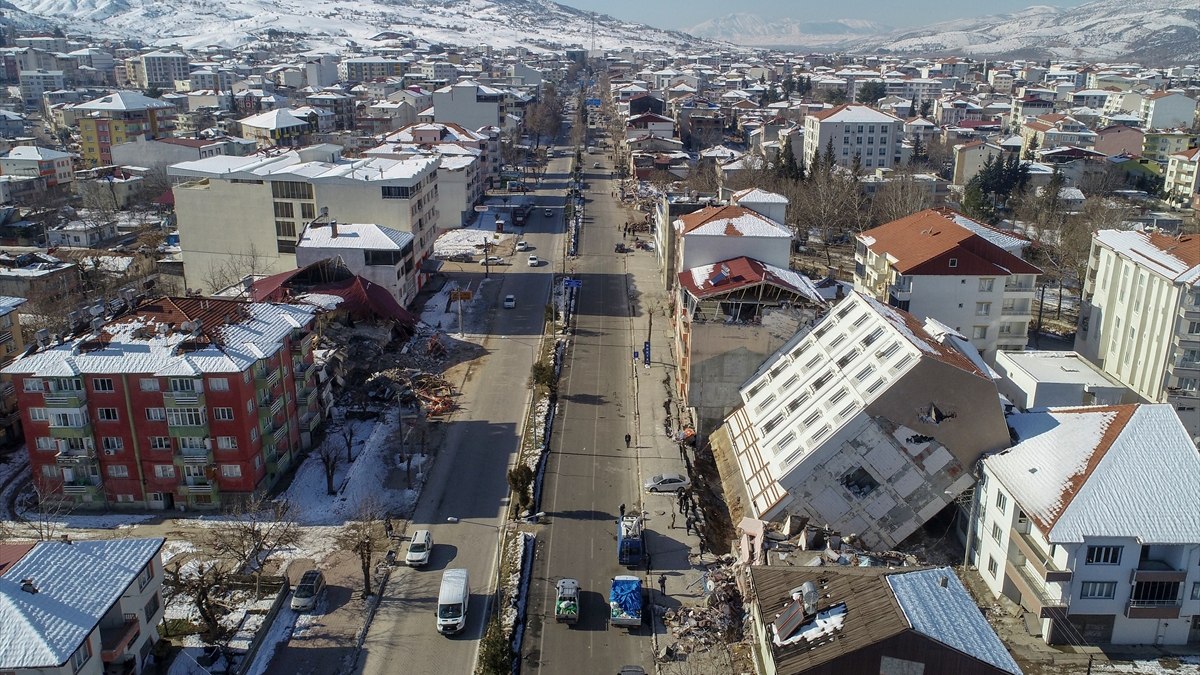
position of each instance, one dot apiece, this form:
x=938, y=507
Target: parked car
x=308, y=590
x=522, y=245
x=510, y=301
x=533, y=261
x=419, y=548
x=492, y=260
x=667, y=482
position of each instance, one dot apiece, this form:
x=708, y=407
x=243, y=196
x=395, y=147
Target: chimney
x=28, y=587
x=944, y=582
x=333, y=229
x=66, y=539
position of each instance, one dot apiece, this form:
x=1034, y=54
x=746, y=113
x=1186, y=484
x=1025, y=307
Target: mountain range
x=1150, y=31
x=1154, y=32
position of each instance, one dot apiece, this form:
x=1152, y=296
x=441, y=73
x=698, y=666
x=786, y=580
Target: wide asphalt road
x=468, y=481
x=590, y=472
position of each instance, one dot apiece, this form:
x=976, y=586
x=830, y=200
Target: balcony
x=66, y=399
x=1045, y=567
x=1016, y=311
x=7, y=389
x=183, y=399
x=75, y=456
x=9, y=419
x=197, y=486
x=1019, y=288
x=1182, y=364
x=192, y=456
x=116, y=641
x=82, y=431
x=310, y=421
x=280, y=435
x=185, y=430
x=277, y=407
x=81, y=486
x=266, y=379
x=1189, y=311
x=1152, y=609
x=1156, y=570
x=1034, y=595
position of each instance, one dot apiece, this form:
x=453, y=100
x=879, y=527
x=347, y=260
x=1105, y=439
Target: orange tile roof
x=925, y=242
x=1186, y=247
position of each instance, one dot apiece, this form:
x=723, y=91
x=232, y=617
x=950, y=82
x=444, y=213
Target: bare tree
x=364, y=536
x=257, y=528
x=832, y=204
x=901, y=196
x=348, y=439
x=331, y=458
x=234, y=268
x=45, y=508
x=203, y=584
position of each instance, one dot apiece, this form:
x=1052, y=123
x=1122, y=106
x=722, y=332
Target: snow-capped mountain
x=11, y=15
x=500, y=23
x=1151, y=31
x=754, y=30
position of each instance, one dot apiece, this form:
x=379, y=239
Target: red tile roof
x=925, y=243
x=732, y=274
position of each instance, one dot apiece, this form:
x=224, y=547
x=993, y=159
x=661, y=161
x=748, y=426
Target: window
x=80, y=658
x=997, y=533
x=149, y=384
x=285, y=246
x=291, y=190
x=1104, y=555
x=113, y=443
x=308, y=211
x=118, y=471
x=218, y=384
x=986, y=285
x=953, y=262
x=992, y=566
x=1193, y=329
x=46, y=443
x=1001, y=501
x=32, y=384
x=151, y=609
x=223, y=414
x=231, y=470
x=285, y=228
x=284, y=210
x=253, y=434
x=772, y=423
x=160, y=442
x=1098, y=589
x=1196, y=590
x=164, y=470
x=395, y=192
x=145, y=576
x=192, y=443
x=156, y=414
x=186, y=417
x=38, y=414
x=227, y=442
x=983, y=308
x=979, y=332
x=106, y=414
x=185, y=384
x=102, y=384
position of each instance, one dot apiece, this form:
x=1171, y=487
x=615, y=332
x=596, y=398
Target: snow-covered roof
x=233, y=335
x=855, y=114
x=1104, y=471
x=732, y=221
x=356, y=236
x=77, y=583
x=758, y=196
x=36, y=152
x=123, y=101
x=291, y=164
x=280, y=118
x=1176, y=258
x=936, y=604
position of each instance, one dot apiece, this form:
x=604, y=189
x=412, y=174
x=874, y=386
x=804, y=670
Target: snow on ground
x=442, y=314
x=1187, y=665
x=364, y=478
x=175, y=547
x=470, y=238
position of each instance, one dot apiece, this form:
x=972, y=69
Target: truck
x=631, y=541
x=625, y=601
x=566, y=601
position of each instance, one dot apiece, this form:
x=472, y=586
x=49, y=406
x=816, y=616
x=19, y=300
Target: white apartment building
x=257, y=205
x=31, y=160
x=1182, y=181
x=34, y=83
x=473, y=105
x=869, y=422
x=855, y=130
x=1089, y=522
x=364, y=68
x=1168, y=110
x=81, y=607
x=440, y=71
x=157, y=69
x=1140, y=316
x=1053, y=379
x=939, y=264
x=378, y=254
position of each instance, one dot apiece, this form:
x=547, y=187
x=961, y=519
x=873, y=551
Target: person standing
x=628, y=440
x=672, y=520
x=662, y=584
x=622, y=509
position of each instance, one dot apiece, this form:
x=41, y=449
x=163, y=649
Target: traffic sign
x=573, y=283
x=592, y=103
x=646, y=352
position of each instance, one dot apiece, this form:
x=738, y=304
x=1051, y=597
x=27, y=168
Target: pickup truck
x=631, y=548
x=625, y=601
x=566, y=601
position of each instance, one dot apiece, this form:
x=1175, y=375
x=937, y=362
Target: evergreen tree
x=975, y=203
x=787, y=168
x=829, y=160
x=912, y=107
x=925, y=108
x=918, y=153
x=869, y=93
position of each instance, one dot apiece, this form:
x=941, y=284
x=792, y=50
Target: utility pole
x=486, y=263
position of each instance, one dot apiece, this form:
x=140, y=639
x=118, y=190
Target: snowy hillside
x=1152, y=31
x=754, y=30
x=501, y=23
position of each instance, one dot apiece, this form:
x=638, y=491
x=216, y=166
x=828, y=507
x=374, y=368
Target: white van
x=453, y=599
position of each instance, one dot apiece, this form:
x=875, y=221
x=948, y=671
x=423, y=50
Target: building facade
x=171, y=406
x=854, y=131
x=117, y=118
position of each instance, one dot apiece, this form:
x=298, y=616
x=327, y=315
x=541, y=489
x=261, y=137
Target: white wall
x=708, y=249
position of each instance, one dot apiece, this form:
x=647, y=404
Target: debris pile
x=720, y=620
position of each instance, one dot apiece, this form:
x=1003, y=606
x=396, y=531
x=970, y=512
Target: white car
x=667, y=482
x=308, y=590
x=510, y=301
x=522, y=245
x=492, y=260
x=420, y=547
x=533, y=261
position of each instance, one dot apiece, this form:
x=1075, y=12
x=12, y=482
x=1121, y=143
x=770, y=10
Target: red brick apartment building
x=178, y=403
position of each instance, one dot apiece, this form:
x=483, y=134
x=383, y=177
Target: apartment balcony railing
x=1034, y=594
x=1156, y=570
x=80, y=486
x=195, y=456
x=280, y=435
x=198, y=486
x=1152, y=609
x=1020, y=288
x=9, y=419
x=1035, y=557
x=277, y=406
x=1016, y=311
x=187, y=429
x=66, y=399
x=81, y=431
x=116, y=641
x=1189, y=311
x=7, y=389
x=75, y=456
x=183, y=399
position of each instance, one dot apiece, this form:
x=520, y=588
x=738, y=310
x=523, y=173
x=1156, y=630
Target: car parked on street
x=533, y=261
x=522, y=245
x=667, y=482
x=420, y=547
x=492, y=260
x=510, y=301
x=308, y=590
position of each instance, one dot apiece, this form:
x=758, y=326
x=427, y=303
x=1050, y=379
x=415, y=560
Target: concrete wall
x=700, y=250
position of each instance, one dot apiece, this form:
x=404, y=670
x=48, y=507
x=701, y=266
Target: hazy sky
x=686, y=13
